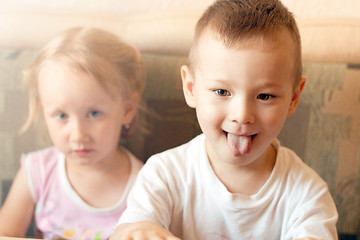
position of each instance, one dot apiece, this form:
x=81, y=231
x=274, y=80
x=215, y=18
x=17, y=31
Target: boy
x=235, y=181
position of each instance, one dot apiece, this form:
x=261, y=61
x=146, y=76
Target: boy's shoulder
x=184, y=158
x=186, y=151
x=290, y=166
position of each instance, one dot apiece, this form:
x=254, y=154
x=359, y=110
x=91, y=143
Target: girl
x=87, y=84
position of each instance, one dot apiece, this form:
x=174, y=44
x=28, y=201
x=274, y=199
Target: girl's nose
x=78, y=131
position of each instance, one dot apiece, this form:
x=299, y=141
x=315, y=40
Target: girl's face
x=84, y=121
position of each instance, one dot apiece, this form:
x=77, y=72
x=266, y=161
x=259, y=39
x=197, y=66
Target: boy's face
x=242, y=97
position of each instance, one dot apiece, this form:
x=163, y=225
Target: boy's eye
x=94, y=113
x=61, y=116
x=222, y=92
x=264, y=96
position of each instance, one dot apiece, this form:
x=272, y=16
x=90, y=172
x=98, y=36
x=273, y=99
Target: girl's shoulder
x=45, y=152
x=135, y=163
x=45, y=157
x=40, y=167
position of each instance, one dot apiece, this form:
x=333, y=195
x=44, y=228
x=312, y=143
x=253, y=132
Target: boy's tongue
x=239, y=145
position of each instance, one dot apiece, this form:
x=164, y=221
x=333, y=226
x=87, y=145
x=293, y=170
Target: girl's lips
x=82, y=152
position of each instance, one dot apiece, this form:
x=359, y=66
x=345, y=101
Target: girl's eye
x=61, y=116
x=94, y=114
x=264, y=96
x=222, y=92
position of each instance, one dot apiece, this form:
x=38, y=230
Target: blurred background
x=325, y=131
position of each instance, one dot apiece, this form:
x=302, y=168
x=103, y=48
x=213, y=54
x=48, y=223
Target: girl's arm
x=17, y=211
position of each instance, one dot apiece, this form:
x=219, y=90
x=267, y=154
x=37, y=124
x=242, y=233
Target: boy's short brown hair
x=242, y=23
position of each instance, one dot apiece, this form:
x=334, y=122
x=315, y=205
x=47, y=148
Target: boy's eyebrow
x=265, y=83
x=215, y=80
x=271, y=84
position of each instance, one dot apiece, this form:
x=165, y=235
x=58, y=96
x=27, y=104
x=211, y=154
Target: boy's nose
x=78, y=131
x=242, y=112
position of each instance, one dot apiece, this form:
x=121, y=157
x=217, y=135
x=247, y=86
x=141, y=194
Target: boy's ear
x=296, y=96
x=188, y=86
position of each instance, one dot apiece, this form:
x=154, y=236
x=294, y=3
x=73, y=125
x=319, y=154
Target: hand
x=307, y=238
x=141, y=231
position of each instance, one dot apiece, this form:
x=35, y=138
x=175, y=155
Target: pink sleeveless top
x=60, y=213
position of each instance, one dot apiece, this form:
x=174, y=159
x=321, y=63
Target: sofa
x=325, y=130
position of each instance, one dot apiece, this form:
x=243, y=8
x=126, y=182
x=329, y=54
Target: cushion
x=324, y=131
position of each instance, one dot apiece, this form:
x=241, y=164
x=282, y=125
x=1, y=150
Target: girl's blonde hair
x=107, y=59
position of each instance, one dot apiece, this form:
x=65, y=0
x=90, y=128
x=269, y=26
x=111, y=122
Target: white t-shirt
x=179, y=190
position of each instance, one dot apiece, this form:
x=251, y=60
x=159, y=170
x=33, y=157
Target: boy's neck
x=251, y=178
